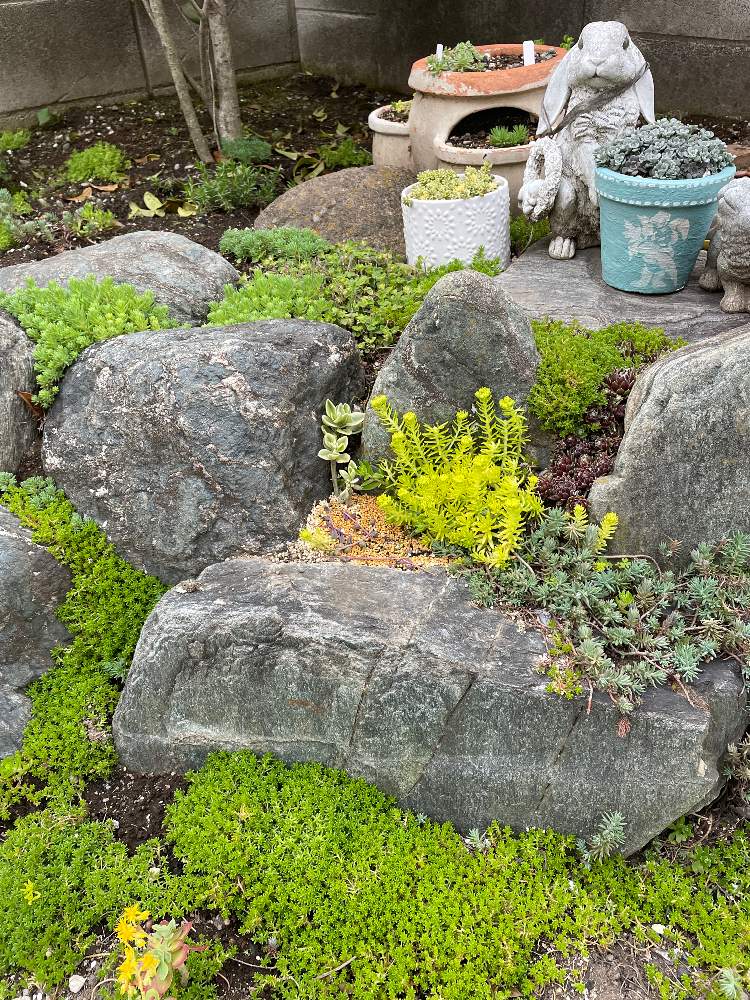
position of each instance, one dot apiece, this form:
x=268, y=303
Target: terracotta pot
x=442, y=101
x=391, y=141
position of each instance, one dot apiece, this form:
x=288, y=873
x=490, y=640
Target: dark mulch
x=473, y=131
x=501, y=61
x=390, y=115
x=136, y=803
x=727, y=129
x=299, y=114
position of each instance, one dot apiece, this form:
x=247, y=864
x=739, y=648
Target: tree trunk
x=228, y=119
x=157, y=14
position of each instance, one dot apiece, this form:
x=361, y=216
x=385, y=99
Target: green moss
x=363, y=290
x=523, y=233
x=67, y=740
x=101, y=162
x=14, y=140
x=282, y=243
x=364, y=898
x=575, y=360
x=60, y=879
x=62, y=322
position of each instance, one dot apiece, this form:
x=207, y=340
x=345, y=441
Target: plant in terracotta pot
x=450, y=216
x=658, y=187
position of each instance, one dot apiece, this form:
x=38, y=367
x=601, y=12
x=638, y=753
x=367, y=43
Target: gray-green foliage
x=608, y=839
x=668, y=149
x=282, y=243
x=232, y=185
x=462, y=58
x=339, y=423
x=248, y=149
x=15, y=226
x=624, y=624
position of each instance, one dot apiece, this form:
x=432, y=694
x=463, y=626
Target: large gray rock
x=17, y=423
x=360, y=203
x=184, y=276
x=189, y=446
x=397, y=677
x=683, y=468
x=32, y=586
x=468, y=333
x=573, y=290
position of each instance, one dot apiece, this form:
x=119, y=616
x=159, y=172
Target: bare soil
x=297, y=114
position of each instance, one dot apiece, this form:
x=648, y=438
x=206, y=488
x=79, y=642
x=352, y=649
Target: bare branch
x=158, y=16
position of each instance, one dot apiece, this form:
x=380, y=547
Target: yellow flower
x=148, y=965
x=600, y=566
x=30, y=894
x=134, y=914
x=129, y=933
x=127, y=968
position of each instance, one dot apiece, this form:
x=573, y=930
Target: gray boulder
x=360, y=203
x=468, y=333
x=184, y=276
x=18, y=429
x=33, y=586
x=189, y=446
x=683, y=468
x=395, y=676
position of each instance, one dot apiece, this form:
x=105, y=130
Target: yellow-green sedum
x=446, y=185
x=464, y=484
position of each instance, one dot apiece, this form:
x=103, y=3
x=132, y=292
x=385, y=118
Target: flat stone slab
x=183, y=275
x=396, y=677
x=573, y=289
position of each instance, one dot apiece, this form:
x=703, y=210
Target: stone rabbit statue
x=599, y=89
x=728, y=263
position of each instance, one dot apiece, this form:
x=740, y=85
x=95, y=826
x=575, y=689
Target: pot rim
x=493, y=81
x=497, y=155
x=653, y=182
x=501, y=183
x=385, y=127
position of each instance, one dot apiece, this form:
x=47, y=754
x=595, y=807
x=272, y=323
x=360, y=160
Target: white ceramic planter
x=442, y=231
x=391, y=141
x=508, y=162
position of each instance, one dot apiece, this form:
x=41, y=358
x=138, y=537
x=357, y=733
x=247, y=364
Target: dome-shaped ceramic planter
x=391, y=141
x=454, y=229
x=441, y=101
x=508, y=162
x=652, y=230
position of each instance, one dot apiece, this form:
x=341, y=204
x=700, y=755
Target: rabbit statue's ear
x=556, y=95
x=644, y=87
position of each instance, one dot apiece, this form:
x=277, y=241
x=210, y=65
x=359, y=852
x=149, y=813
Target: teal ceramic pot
x=653, y=230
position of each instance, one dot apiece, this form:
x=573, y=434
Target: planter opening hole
x=473, y=131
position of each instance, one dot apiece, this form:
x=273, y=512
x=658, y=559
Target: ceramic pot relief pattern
x=442, y=231
x=652, y=230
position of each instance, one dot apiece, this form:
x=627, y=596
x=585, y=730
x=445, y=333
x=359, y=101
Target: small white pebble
x=76, y=984
x=658, y=928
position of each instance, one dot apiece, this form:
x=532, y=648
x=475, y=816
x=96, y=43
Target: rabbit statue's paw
x=562, y=247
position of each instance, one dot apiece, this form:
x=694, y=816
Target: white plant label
x=439, y=50
x=529, y=55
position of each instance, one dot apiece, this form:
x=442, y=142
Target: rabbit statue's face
x=604, y=57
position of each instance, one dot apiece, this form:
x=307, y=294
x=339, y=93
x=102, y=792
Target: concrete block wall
x=58, y=52
x=699, y=52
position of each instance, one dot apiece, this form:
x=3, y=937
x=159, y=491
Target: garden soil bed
x=298, y=114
